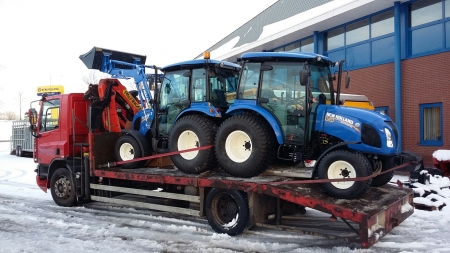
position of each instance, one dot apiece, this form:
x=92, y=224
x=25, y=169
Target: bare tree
x=20, y=98
x=9, y=115
x=91, y=77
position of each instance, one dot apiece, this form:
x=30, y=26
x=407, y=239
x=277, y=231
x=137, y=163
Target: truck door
x=49, y=132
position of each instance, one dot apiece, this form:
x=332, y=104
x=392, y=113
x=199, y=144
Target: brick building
x=397, y=53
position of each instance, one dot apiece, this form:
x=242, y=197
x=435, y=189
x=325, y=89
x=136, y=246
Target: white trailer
x=22, y=142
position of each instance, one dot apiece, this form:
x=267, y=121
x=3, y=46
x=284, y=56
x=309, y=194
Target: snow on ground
x=31, y=222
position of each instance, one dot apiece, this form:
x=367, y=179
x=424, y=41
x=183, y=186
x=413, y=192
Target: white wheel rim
x=126, y=151
x=188, y=140
x=238, y=146
x=341, y=170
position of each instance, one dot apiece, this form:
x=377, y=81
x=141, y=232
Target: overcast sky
x=41, y=40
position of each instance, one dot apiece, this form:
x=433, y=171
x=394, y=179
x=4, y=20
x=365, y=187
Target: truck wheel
x=62, y=188
x=244, y=145
x=381, y=165
x=227, y=211
x=127, y=148
x=17, y=150
x=193, y=131
x=342, y=164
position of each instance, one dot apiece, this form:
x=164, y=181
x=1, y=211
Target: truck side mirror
x=304, y=77
x=32, y=116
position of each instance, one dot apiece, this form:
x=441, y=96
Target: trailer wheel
x=193, y=131
x=227, y=211
x=62, y=188
x=342, y=164
x=244, y=145
x=381, y=165
x=127, y=148
x=19, y=151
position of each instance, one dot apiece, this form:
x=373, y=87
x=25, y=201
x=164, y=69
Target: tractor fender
x=143, y=119
x=204, y=108
x=328, y=150
x=273, y=122
x=142, y=141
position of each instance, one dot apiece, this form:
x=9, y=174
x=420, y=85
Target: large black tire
x=385, y=163
x=21, y=153
x=127, y=148
x=227, y=211
x=17, y=150
x=341, y=164
x=189, y=132
x=244, y=145
x=62, y=188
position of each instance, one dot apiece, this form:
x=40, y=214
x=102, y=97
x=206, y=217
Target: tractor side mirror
x=304, y=77
x=347, y=81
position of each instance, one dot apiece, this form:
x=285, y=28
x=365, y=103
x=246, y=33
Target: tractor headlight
x=389, y=141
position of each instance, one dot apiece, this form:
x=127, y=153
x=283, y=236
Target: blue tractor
x=286, y=113
x=188, y=104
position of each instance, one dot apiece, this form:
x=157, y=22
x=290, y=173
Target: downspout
x=316, y=42
x=398, y=72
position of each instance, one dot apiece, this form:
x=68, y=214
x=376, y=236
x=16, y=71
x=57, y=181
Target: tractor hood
x=373, y=131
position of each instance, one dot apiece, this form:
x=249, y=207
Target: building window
x=334, y=39
x=425, y=11
x=383, y=110
x=363, y=43
x=357, y=32
x=428, y=19
x=307, y=45
x=447, y=8
x=431, y=124
x=382, y=24
x=295, y=47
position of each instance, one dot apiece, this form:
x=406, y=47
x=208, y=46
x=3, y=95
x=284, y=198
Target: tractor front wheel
x=345, y=164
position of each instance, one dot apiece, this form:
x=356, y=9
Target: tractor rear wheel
x=244, y=145
x=193, y=131
x=381, y=165
x=127, y=148
x=341, y=164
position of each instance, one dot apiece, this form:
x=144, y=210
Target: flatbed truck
x=74, y=162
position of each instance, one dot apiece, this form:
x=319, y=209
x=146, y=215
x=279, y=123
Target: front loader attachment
x=98, y=58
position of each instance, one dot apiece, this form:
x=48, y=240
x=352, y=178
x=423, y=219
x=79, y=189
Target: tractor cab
x=202, y=86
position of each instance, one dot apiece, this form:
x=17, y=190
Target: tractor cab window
x=174, y=88
x=223, y=86
x=198, y=87
x=320, y=82
x=249, y=80
x=282, y=83
x=50, y=115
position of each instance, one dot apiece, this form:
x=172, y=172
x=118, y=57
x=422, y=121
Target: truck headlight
x=389, y=141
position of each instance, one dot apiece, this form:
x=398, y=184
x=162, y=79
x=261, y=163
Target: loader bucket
x=94, y=58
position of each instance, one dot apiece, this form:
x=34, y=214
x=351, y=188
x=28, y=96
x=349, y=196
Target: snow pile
x=442, y=155
x=433, y=195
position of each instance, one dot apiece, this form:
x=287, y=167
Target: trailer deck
x=364, y=220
